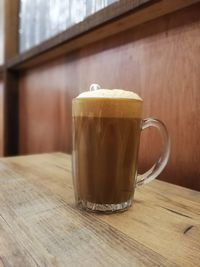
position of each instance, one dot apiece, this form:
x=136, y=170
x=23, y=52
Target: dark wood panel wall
x=159, y=60
x=1, y=118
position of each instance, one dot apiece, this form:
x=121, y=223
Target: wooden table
x=40, y=226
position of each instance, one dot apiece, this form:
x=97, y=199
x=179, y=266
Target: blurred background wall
x=1, y=31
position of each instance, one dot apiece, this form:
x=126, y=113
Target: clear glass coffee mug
x=106, y=134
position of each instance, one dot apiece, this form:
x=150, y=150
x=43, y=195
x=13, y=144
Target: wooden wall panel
x=45, y=107
x=1, y=32
x=159, y=60
x=1, y=119
x=11, y=28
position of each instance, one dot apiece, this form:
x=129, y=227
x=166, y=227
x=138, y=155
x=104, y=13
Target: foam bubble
x=114, y=103
x=110, y=94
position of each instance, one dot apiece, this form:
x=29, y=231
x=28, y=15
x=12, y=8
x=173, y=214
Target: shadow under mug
x=106, y=138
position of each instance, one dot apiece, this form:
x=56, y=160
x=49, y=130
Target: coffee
x=106, y=134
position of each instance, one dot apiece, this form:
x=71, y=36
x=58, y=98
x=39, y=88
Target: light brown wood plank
x=11, y=254
x=48, y=231
x=165, y=218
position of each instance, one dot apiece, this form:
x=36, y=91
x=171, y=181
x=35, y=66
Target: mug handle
x=158, y=167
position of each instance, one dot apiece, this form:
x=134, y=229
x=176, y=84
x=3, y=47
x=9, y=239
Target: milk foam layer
x=107, y=93
x=115, y=103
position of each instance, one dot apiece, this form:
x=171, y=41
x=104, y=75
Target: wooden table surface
x=40, y=226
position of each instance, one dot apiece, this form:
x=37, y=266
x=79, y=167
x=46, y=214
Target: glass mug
x=106, y=134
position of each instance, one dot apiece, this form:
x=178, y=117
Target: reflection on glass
x=42, y=19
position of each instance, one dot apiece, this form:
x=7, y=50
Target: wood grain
x=159, y=60
x=116, y=18
x=40, y=226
